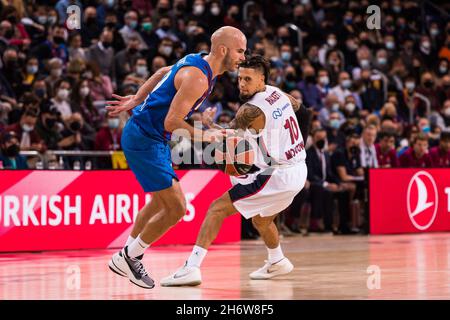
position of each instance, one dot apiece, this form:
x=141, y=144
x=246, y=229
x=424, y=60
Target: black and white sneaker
x=135, y=271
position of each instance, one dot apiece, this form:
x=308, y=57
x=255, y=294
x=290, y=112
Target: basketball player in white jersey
x=261, y=195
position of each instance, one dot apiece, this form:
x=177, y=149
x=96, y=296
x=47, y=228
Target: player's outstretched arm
x=129, y=102
x=191, y=84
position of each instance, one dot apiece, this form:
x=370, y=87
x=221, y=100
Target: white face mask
x=113, y=123
x=142, y=71
x=198, y=9
x=410, y=85
x=443, y=69
x=56, y=72
x=350, y=107
x=364, y=63
x=27, y=128
x=390, y=45
x=335, y=107
x=325, y=80
x=215, y=11
x=426, y=45
x=63, y=94
x=346, y=84
x=32, y=69
x=166, y=50
x=447, y=112
x=84, y=91
x=331, y=42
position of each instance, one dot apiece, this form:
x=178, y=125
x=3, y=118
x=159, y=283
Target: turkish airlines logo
x=422, y=200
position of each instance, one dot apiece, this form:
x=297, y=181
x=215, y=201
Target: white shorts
x=268, y=192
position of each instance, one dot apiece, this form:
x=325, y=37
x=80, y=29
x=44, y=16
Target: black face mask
x=12, y=19
x=165, y=28
x=311, y=79
x=11, y=64
x=132, y=50
x=12, y=151
x=75, y=126
x=58, y=40
x=320, y=144
x=49, y=122
x=111, y=25
x=354, y=150
x=106, y=45
x=9, y=33
x=290, y=77
x=428, y=84
x=180, y=7
x=91, y=20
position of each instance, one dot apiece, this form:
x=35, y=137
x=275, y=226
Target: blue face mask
x=133, y=24
x=286, y=56
x=334, y=123
x=426, y=129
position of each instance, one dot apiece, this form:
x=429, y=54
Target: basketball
x=234, y=156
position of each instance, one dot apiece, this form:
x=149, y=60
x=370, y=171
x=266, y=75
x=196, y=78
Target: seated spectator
x=47, y=127
x=417, y=156
x=440, y=155
x=386, y=154
x=81, y=102
x=102, y=54
x=108, y=139
x=61, y=99
x=100, y=85
x=9, y=152
x=26, y=132
x=368, y=155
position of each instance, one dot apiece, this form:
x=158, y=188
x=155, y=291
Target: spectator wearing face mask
x=386, y=154
x=54, y=46
x=309, y=89
x=331, y=104
x=18, y=35
x=102, y=54
x=47, y=127
x=139, y=75
x=26, y=132
x=9, y=153
x=61, y=99
x=164, y=29
x=108, y=139
x=417, y=156
x=130, y=29
x=81, y=101
x=429, y=89
x=440, y=155
x=10, y=71
x=323, y=183
x=90, y=28
x=412, y=104
x=55, y=70
x=100, y=85
x=342, y=90
x=336, y=138
x=126, y=59
x=368, y=154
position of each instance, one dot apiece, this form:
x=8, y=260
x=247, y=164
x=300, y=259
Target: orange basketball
x=234, y=156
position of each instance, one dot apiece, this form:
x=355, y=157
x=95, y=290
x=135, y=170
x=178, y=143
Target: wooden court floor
x=326, y=267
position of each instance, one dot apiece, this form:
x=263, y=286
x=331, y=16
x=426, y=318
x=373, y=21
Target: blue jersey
x=151, y=113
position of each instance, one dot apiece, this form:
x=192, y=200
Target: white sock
x=129, y=240
x=275, y=255
x=137, y=247
x=196, y=257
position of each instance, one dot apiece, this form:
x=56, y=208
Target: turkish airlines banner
x=409, y=200
x=54, y=210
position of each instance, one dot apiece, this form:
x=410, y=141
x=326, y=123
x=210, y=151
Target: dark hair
x=386, y=134
x=257, y=62
x=445, y=135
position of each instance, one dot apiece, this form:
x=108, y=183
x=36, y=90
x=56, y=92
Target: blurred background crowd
x=381, y=97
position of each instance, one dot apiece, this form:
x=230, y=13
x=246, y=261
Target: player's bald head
x=228, y=37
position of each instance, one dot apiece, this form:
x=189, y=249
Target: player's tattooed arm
x=249, y=117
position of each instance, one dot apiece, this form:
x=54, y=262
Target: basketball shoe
x=185, y=276
x=124, y=266
x=271, y=270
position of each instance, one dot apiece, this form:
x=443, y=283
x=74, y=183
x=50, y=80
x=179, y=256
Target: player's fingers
x=115, y=102
x=117, y=96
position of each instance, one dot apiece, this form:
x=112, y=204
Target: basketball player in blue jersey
x=161, y=106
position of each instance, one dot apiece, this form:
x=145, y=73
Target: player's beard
x=246, y=97
x=228, y=62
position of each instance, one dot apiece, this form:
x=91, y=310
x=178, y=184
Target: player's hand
x=121, y=104
x=208, y=116
x=213, y=135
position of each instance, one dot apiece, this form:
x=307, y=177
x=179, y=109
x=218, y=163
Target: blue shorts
x=149, y=159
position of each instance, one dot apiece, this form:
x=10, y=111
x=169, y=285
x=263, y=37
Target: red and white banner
x=54, y=210
x=409, y=200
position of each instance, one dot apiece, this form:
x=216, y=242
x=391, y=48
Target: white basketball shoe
x=269, y=270
x=185, y=276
